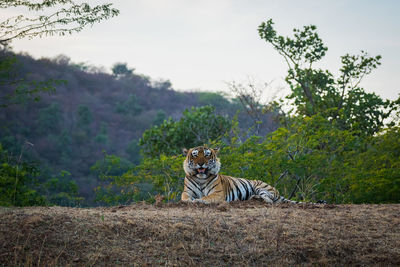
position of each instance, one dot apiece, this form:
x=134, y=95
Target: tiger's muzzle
x=202, y=170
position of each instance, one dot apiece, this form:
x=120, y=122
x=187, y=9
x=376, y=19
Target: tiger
x=204, y=184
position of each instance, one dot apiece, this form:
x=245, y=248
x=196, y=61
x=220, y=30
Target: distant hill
x=92, y=112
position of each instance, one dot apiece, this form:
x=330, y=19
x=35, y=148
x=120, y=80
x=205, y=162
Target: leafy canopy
x=196, y=127
x=121, y=70
x=315, y=91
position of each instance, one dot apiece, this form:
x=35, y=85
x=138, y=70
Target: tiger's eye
x=195, y=153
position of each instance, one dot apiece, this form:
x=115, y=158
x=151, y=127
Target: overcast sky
x=201, y=45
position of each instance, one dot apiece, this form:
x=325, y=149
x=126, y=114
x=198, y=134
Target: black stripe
x=246, y=189
x=194, y=192
x=253, y=191
x=239, y=193
x=212, y=188
x=265, y=186
x=189, y=184
x=194, y=183
x=249, y=190
x=210, y=181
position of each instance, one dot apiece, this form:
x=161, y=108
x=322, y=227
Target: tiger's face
x=201, y=162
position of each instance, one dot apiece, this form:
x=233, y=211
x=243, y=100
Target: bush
x=196, y=127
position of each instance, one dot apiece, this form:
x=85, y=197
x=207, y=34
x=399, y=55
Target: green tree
x=316, y=91
x=336, y=126
x=374, y=176
x=196, y=127
x=61, y=190
x=216, y=100
x=160, y=117
x=133, y=151
x=287, y=158
x=102, y=136
x=17, y=181
x=50, y=118
x=129, y=107
x=84, y=116
x=163, y=85
x=82, y=132
x=155, y=175
x=63, y=142
x=122, y=70
x=118, y=185
x=17, y=89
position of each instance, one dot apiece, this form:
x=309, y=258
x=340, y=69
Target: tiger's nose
x=202, y=165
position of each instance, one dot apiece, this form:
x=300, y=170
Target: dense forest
x=76, y=135
x=91, y=112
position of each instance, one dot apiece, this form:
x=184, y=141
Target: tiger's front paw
x=198, y=200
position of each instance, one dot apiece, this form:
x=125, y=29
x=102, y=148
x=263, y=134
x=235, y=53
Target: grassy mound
x=245, y=233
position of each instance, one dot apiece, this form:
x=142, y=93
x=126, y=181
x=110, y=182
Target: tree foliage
x=196, y=127
x=16, y=181
x=59, y=17
x=20, y=89
x=119, y=187
x=317, y=91
x=121, y=70
x=23, y=183
x=333, y=144
x=160, y=117
x=155, y=175
x=85, y=117
x=47, y=17
x=50, y=118
x=61, y=190
x=374, y=176
x=130, y=106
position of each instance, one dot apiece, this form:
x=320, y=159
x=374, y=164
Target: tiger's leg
x=212, y=198
x=215, y=195
x=185, y=197
x=263, y=190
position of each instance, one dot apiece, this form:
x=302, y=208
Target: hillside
x=236, y=234
x=91, y=112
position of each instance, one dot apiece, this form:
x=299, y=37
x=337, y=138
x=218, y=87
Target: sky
x=203, y=45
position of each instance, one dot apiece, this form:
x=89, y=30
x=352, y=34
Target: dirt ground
x=236, y=234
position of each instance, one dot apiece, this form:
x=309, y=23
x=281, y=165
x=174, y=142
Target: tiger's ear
x=216, y=150
x=184, y=151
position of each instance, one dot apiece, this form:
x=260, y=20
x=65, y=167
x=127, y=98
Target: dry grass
x=247, y=233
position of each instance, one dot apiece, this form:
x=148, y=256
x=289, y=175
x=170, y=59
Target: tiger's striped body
x=203, y=183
